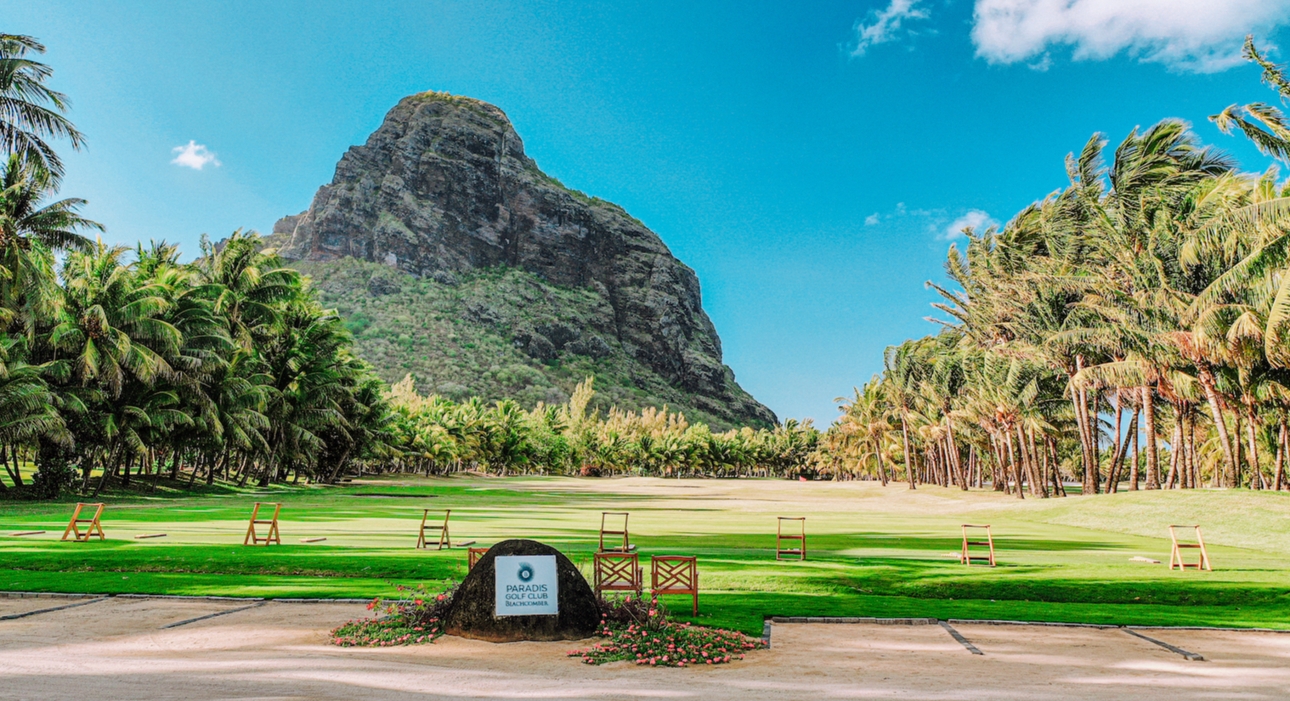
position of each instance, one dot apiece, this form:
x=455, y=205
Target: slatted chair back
x=971, y=532
x=791, y=544
x=271, y=536
x=473, y=555
x=611, y=532
x=675, y=574
x=618, y=572
x=428, y=530
x=1176, y=555
x=92, y=525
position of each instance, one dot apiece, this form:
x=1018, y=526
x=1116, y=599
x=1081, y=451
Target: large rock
x=444, y=186
x=471, y=614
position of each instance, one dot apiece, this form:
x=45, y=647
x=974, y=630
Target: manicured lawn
x=872, y=552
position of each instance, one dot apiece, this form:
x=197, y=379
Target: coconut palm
x=31, y=112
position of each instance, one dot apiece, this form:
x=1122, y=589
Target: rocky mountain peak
x=444, y=187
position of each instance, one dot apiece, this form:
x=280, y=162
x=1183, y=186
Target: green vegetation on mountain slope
x=467, y=336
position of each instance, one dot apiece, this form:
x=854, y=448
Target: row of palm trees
x=117, y=362
x=1128, y=331
x=435, y=435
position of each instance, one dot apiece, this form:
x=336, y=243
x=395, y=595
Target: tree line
x=438, y=436
x=1131, y=330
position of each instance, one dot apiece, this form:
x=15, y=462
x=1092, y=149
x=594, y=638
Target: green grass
x=873, y=552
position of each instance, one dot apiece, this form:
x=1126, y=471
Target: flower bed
x=641, y=633
x=415, y=618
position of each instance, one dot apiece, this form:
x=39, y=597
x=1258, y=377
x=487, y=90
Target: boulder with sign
x=514, y=578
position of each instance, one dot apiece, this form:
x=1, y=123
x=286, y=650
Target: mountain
x=457, y=259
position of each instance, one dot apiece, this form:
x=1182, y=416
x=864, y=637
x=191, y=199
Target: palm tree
x=30, y=111
x=30, y=229
x=110, y=327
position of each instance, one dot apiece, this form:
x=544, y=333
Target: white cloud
x=885, y=25
x=194, y=155
x=1192, y=35
x=872, y=219
x=974, y=218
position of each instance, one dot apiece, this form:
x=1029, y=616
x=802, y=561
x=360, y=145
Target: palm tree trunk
x=909, y=468
x=17, y=465
x=1117, y=464
x=1153, y=456
x=1113, y=471
x=110, y=458
x=1012, y=462
x=1279, y=478
x=1059, y=489
x=1046, y=468
x=882, y=466
x=4, y=458
x=954, y=452
x=1193, y=474
x=1135, y=471
x=1256, y=474
x=1037, y=481
x=998, y=476
x=1079, y=398
x=1172, y=480
x=1206, y=378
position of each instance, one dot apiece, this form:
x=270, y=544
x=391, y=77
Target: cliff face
x=444, y=188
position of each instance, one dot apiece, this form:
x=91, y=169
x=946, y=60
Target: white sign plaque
x=526, y=585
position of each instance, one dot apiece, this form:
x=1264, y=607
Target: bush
x=640, y=632
x=417, y=617
x=53, y=476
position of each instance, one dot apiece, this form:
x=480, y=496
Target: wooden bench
x=94, y=527
x=675, y=574
x=606, y=530
x=618, y=572
x=1176, y=556
x=272, y=537
x=797, y=552
x=965, y=555
x=472, y=556
x=444, y=540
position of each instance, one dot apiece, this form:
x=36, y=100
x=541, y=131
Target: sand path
x=118, y=649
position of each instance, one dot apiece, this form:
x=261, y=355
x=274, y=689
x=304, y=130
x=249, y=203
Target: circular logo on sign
x=526, y=572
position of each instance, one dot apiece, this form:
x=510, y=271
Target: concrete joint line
x=962, y=640
x=1188, y=655
x=1049, y=624
x=14, y=616
x=212, y=615
x=855, y=620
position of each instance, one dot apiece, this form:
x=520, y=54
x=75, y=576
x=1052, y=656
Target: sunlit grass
x=872, y=551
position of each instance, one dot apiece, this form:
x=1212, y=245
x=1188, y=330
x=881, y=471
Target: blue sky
x=808, y=160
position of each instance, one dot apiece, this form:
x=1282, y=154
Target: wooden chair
x=965, y=556
x=605, y=530
x=618, y=572
x=798, y=552
x=1176, y=557
x=272, y=537
x=675, y=574
x=472, y=556
x=444, y=540
x=94, y=527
